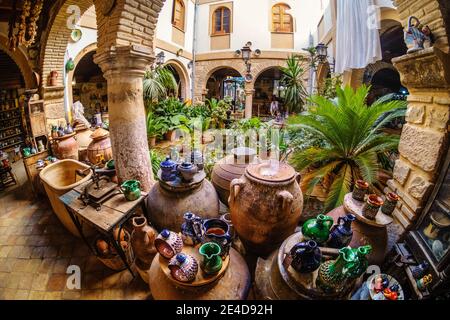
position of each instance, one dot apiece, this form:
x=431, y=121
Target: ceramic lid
x=271, y=171
x=99, y=133
x=168, y=163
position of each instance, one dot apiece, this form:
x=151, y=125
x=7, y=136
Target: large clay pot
x=265, y=205
x=83, y=136
x=229, y=168
x=66, y=147
x=143, y=244
x=168, y=201
x=100, y=146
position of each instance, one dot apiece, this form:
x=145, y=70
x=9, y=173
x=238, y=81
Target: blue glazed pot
x=168, y=170
x=218, y=231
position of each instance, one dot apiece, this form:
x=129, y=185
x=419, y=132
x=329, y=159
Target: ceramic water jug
x=341, y=234
x=212, y=261
x=306, y=256
x=131, y=189
x=318, y=229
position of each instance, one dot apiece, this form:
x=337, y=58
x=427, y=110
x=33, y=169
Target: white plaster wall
x=252, y=22
x=164, y=25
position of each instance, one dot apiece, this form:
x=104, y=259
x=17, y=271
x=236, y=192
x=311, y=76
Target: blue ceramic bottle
x=168, y=170
x=341, y=234
x=306, y=256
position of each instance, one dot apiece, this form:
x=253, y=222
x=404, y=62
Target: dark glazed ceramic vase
x=341, y=234
x=306, y=256
x=192, y=229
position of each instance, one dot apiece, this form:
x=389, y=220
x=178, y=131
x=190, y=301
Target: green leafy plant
x=351, y=141
x=218, y=111
x=156, y=126
x=157, y=83
x=294, y=93
x=156, y=157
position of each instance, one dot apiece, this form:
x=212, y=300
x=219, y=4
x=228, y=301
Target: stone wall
x=424, y=139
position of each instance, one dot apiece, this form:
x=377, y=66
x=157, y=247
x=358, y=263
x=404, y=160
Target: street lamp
x=246, y=52
x=160, y=58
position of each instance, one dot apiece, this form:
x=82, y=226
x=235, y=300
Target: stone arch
x=21, y=60
x=373, y=68
x=260, y=66
x=184, y=76
x=70, y=74
x=323, y=71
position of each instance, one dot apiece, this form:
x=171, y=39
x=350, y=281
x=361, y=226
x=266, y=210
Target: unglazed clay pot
x=168, y=201
x=265, y=205
x=143, y=242
x=229, y=168
x=100, y=147
x=66, y=147
x=83, y=136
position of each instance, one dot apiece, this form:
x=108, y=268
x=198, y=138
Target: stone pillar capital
x=425, y=69
x=249, y=91
x=125, y=61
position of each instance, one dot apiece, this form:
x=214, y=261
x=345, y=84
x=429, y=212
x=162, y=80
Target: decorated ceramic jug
x=183, y=267
x=414, y=36
x=192, y=229
x=332, y=273
x=341, y=234
x=168, y=170
x=317, y=229
x=306, y=256
x=168, y=243
x=212, y=261
x=218, y=231
x=131, y=189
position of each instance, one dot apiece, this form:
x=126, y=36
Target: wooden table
x=114, y=213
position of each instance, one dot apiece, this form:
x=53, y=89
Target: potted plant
x=156, y=127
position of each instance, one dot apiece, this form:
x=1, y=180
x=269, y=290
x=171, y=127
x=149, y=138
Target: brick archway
x=125, y=49
x=21, y=60
x=184, y=76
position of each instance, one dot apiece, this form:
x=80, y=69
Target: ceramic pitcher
x=212, y=261
x=131, y=189
x=341, y=234
x=318, y=229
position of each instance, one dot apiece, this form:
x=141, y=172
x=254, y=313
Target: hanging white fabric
x=357, y=34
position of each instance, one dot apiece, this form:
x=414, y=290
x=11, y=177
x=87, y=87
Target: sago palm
x=352, y=139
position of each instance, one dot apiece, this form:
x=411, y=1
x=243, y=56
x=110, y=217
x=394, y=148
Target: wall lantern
x=322, y=52
x=246, y=52
x=160, y=58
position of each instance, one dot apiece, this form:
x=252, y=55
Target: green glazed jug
x=332, y=273
x=131, y=189
x=360, y=265
x=318, y=229
x=212, y=261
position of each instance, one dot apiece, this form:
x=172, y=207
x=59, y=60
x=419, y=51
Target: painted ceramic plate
x=76, y=35
x=380, y=296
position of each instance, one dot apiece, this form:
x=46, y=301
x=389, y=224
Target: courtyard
x=175, y=150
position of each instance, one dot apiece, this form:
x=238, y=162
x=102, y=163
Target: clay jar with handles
x=66, y=147
x=265, y=205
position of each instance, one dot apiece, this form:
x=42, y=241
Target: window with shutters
x=221, y=21
x=281, y=19
x=178, y=14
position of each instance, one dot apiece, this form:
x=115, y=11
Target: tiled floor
x=35, y=251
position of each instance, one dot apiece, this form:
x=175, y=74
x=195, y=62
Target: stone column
x=424, y=140
x=353, y=78
x=124, y=67
x=249, y=102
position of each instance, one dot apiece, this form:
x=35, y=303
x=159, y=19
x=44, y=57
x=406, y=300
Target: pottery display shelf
x=354, y=206
x=275, y=281
x=202, y=278
x=231, y=283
